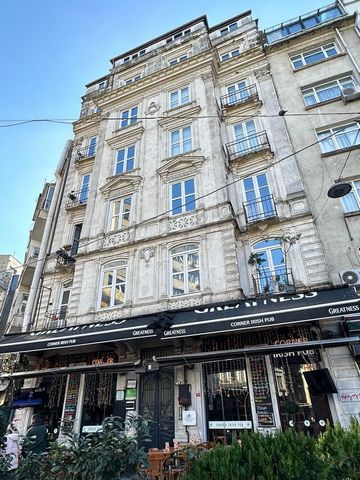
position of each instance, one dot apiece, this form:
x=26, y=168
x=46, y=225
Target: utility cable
x=207, y=194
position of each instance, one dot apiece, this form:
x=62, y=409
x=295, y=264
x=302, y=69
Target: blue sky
x=49, y=50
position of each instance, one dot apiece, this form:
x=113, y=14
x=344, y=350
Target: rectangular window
x=185, y=270
x=125, y=159
x=183, y=196
x=76, y=239
x=174, y=61
x=128, y=117
x=229, y=28
x=327, y=91
x=120, y=214
x=339, y=137
x=48, y=197
x=313, y=56
x=132, y=80
x=227, y=56
x=84, y=191
x=179, y=97
x=24, y=300
x=237, y=92
x=351, y=201
x=102, y=86
x=91, y=146
x=180, y=141
x=259, y=203
x=113, y=286
x=246, y=137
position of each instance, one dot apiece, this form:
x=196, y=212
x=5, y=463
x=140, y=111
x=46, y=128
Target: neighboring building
x=18, y=308
x=187, y=279
x=10, y=269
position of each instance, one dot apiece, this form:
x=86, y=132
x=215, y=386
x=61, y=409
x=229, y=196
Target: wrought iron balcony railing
x=241, y=95
x=261, y=208
x=76, y=198
x=280, y=280
x=56, y=318
x=246, y=145
x=86, y=152
x=63, y=258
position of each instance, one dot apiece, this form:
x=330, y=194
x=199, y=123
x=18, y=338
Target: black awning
x=191, y=358
x=235, y=316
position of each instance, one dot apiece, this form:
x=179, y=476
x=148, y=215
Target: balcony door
x=64, y=304
x=258, y=200
x=237, y=92
x=245, y=136
x=84, y=191
x=272, y=272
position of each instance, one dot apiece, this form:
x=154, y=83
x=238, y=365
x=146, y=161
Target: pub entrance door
x=157, y=405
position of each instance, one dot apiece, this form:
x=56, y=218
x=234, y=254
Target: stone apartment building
x=189, y=276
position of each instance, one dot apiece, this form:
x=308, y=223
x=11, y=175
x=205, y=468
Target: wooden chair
x=157, y=461
x=176, y=465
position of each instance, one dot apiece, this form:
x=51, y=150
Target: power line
x=82, y=245
x=70, y=121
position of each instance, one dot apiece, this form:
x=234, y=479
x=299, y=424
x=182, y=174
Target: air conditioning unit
x=350, y=93
x=350, y=277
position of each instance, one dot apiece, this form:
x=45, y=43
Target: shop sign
x=131, y=394
x=91, y=428
x=231, y=425
x=350, y=396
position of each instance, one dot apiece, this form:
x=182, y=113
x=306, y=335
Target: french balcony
x=86, y=152
x=280, y=280
x=240, y=96
x=259, y=209
x=77, y=198
x=247, y=145
x=55, y=318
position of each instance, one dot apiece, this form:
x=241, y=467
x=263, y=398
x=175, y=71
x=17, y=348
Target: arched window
x=271, y=271
x=113, y=284
x=185, y=270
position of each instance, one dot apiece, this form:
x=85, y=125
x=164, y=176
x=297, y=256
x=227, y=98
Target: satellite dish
x=339, y=189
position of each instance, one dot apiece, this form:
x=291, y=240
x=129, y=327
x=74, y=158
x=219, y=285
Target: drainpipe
x=45, y=239
x=347, y=49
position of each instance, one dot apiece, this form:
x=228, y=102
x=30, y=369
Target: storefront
x=260, y=364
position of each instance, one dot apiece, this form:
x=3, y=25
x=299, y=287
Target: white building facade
x=186, y=277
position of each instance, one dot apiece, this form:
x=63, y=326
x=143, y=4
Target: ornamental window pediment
x=119, y=185
x=180, y=166
x=126, y=136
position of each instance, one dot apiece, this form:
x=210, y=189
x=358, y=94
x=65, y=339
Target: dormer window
x=228, y=29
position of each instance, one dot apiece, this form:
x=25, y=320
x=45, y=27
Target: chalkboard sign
x=262, y=396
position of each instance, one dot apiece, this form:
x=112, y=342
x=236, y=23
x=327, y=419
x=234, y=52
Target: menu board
x=262, y=396
x=72, y=393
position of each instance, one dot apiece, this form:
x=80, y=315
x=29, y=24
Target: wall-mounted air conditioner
x=350, y=93
x=350, y=277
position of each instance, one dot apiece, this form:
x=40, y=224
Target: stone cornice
x=124, y=184
x=126, y=136
x=180, y=165
x=176, y=117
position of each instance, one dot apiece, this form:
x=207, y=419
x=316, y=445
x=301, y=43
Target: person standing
x=37, y=436
x=12, y=448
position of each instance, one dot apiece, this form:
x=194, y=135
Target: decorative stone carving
x=152, y=109
x=110, y=315
x=191, y=302
x=116, y=239
x=263, y=73
x=182, y=223
x=146, y=254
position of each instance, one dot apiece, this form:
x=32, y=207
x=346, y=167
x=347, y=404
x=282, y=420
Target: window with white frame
x=23, y=303
x=246, y=136
x=228, y=29
x=178, y=35
x=237, y=92
x=125, y=158
x=351, y=201
x=338, y=138
x=182, y=196
x=48, y=197
x=179, y=97
x=313, y=56
x=259, y=202
x=180, y=141
x=129, y=117
x=91, y=146
x=113, y=284
x=180, y=59
x=327, y=91
x=272, y=271
x=185, y=270
x=120, y=213
x=133, y=79
x=228, y=55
